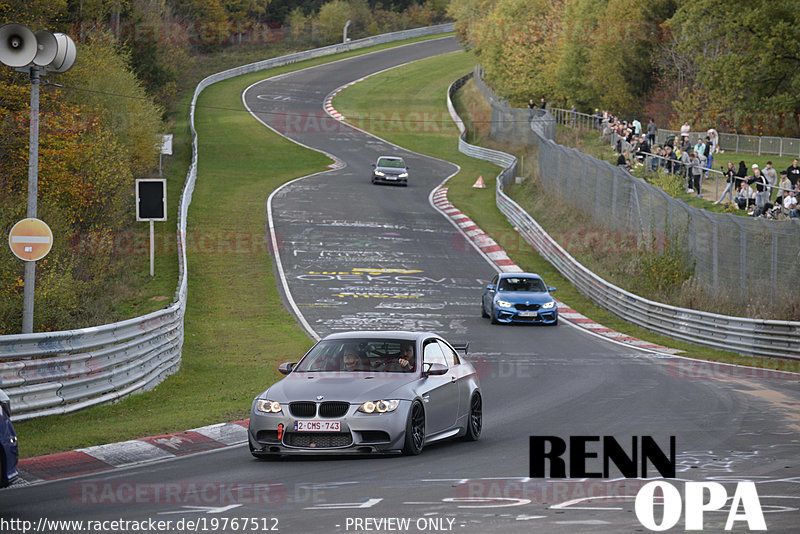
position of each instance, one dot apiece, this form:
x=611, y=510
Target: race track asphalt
x=362, y=256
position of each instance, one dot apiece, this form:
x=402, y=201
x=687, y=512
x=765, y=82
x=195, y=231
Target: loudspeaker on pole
x=20, y=47
x=17, y=45
x=66, y=54
x=47, y=47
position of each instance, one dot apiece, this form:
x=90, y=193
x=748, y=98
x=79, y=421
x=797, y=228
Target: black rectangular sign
x=151, y=199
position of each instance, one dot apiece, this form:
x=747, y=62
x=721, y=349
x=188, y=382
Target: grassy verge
x=410, y=90
x=236, y=327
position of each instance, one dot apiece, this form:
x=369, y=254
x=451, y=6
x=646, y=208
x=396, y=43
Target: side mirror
x=490, y=287
x=551, y=289
x=436, y=369
x=373, y=165
x=286, y=368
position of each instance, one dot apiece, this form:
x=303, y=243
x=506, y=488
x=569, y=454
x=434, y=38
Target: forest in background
x=733, y=64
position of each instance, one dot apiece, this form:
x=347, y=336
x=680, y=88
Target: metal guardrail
x=753, y=337
x=60, y=372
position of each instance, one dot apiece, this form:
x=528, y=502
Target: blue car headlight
x=548, y=305
x=503, y=303
x=379, y=173
x=403, y=175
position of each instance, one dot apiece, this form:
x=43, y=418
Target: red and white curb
x=499, y=257
x=128, y=453
x=328, y=103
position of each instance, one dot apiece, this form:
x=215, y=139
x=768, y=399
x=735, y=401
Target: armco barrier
x=61, y=372
x=752, y=337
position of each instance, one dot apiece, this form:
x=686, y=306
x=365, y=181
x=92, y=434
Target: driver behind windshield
x=405, y=362
x=351, y=360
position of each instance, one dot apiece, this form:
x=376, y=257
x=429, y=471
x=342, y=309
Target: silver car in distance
x=368, y=392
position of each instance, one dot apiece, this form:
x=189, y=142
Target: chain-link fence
x=515, y=125
x=754, y=144
x=754, y=337
x=739, y=257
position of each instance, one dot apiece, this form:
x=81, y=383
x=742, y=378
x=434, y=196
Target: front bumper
x=390, y=179
x=512, y=315
x=359, y=433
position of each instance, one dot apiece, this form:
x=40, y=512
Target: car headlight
x=380, y=406
x=268, y=406
x=548, y=305
x=379, y=173
x=403, y=175
x=503, y=303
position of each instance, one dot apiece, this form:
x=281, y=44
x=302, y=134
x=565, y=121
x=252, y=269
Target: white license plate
x=528, y=314
x=391, y=177
x=317, y=426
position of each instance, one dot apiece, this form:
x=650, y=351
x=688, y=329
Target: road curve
x=356, y=256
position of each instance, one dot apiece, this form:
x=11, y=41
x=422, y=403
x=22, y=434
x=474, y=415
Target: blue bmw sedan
x=519, y=298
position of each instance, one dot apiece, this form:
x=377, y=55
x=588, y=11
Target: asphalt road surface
x=362, y=256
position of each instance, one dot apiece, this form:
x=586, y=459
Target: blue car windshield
x=521, y=284
x=359, y=355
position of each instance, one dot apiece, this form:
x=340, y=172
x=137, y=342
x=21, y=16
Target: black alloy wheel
x=415, y=430
x=475, y=418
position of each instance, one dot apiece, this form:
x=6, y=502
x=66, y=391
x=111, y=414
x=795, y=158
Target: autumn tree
x=741, y=64
x=101, y=79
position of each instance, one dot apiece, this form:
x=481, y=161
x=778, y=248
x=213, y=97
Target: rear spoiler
x=462, y=347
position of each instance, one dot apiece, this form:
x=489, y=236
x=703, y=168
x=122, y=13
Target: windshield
x=521, y=284
x=360, y=355
x=394, y=163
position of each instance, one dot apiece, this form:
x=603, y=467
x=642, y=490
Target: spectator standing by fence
x=762, y=187
x=729, y=174
x=652, y=131
x=772, y=178
x=699, y=147
x=543, y=104
x=694, y=174
x=685, y=129
x=784, y=185
x=741, y=174
x=637, y=127
x=686, y=161
x=709, y=153
x=531, y=107
x=793, y=172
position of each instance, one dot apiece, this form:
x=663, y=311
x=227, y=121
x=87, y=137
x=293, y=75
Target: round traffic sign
x=30, y=239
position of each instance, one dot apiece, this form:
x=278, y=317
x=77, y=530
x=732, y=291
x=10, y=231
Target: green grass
x=409, y=90
x=236, y=327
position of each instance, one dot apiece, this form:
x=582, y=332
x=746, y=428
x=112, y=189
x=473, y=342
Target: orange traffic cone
x=479, y=183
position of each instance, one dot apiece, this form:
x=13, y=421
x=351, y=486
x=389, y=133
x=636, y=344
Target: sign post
x=34, y=53
x=151, y=205
x=164, y=147
x=30, y=240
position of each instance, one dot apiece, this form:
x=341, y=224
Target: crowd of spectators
x=759, y=191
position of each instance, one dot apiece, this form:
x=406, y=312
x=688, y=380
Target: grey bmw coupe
x=368, y=392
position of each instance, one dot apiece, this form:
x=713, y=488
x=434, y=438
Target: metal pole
x=33, y=192
x=344, y=32
x=152, y=248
